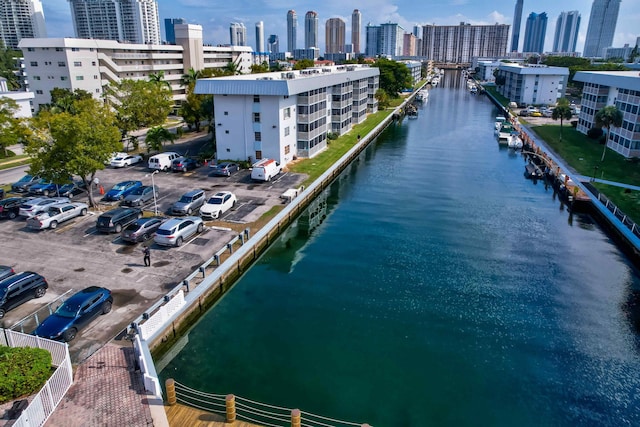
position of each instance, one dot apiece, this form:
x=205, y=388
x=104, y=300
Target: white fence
x=42, y=405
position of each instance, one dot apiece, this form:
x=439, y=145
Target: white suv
x=217, y=205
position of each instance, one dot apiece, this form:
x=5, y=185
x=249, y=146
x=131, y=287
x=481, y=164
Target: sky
x=215, y=16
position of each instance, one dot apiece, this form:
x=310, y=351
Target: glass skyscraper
x=535, y=32
x=566, y=35
x=602, y=26
x=515, y=31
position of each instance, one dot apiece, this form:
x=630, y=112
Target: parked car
x=125, y=160
x=162, y=161
x=56, y=214
x=113, y=156
x=142, y=229
x=188, y=203
x=175, y=231
x=45, y=188
x=77, y=311
x=184, y=164
x=523, y=113
x=20, y=288
x=71, y=190
x=116, y=219
x=218, y=204
x=6, y=271
x=535, y=114
x=224, y=169
x=33, y=207
x=10, y=207
x=121, y=190
x=140, y=196
x=547, y=112
x=22, y=185
x=1, y=193
x=265, y=169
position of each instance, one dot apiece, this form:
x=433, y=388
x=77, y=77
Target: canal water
x=432, y=285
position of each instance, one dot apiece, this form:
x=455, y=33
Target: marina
x=435, y=270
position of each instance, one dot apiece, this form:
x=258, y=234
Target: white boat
x=515, y=141
x=505, y=132
x=473, y=89
x=499, y=121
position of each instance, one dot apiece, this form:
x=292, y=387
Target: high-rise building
x=392, y=39
x=334, y=35
x=409, y=45
x=602, y=26
x=292, y=30
x=311, y=29
x=356, y=29
x=566, y=35
x=169, y=30
x=21, y=19
x=460, y=43
x=131, y=21
x=373, y=40
x=259, y=36
x=237, y=34
x=273, y=44
x=535, y=32
x=515, y=31
x=417, y=31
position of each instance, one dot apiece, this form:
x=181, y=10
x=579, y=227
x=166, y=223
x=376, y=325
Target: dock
x=183, y=415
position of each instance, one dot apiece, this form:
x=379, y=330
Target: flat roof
x=542, y=70
x=620, y=79
x=284, y=83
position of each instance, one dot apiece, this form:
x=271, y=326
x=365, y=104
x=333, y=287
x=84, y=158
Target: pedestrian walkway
x=107, y=391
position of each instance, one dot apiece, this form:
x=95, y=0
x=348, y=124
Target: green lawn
x=501, y=99
x=626, y=200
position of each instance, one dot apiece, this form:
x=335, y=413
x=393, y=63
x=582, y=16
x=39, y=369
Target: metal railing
x=29, y=323
x=42, y=405
x=624, y=219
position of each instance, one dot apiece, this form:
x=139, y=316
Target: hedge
x=23, y=371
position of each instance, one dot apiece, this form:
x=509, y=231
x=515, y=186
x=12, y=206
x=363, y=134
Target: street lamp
x=153, y=185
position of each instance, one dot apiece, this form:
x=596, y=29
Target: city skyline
x=215, y=19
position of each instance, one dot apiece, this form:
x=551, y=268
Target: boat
x=412, y=112
x=515, y=141
x=473, y=89
x=499, y=121
x=422, y=96
x=505, y=132
x=532, y=171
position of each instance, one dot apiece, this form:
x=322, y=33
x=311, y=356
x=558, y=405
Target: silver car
x=189, y=202
x=41, y=204
x=176, y=230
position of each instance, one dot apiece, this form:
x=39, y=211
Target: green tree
x=382, y=97
x=158, y=78
x=9, y=66
x=562, y=112
x=156, y=137
x=190, y=77
x=191, y=110
x=139, y=103
x=261, y=68
x=62, y=145
x=12, y=129
x=394, y=76
x=607, y=117
x=62, y=100
x=304, y=64
x=231, y=69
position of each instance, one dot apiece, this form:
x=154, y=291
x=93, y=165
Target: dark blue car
x=121, y=190
x=23, y=185
x=75, y=313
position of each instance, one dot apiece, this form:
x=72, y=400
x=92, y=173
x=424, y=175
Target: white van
x=265, y=169
x=163, y=161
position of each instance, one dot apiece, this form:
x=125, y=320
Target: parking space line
x=142, y=278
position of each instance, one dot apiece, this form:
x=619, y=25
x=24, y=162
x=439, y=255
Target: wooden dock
x=181, y=415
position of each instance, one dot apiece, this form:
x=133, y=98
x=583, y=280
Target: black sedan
x=75, y=313
x=184, y=164
x=224, y=169
x=10, y=207
x=141, y=230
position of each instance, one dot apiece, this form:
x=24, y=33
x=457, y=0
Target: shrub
x=595, y=133
x=23, y=371
x=331, y=136
x=574, y=123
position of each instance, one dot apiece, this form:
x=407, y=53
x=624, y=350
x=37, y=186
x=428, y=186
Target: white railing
x=159, y=318
x=43, y=404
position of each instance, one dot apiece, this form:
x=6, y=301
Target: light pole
x=153, y=185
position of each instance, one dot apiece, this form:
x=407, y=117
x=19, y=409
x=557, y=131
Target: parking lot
x=75, y=255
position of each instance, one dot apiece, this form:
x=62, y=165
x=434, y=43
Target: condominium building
x=292, y=30
x=22, y=98
x=260, y=36
x=602, y=26
x=273, y=44
x=334, y=35
x=532, y=84
x=19, y=19
x=535, y=32
x=460, y=43
x=169, y=31
x=91, y=65
x=566, y=36
x=619, y=88
x=311, y=29
x=515, y=31
x=373, y=41
x=409, y=45
x=282, y=115
x=130, y=21
x=391, y=39
x=237, y=34
x=356, y=29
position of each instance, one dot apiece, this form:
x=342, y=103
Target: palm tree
x=562, y=112
x=607, y=117
x=190, y=77
x=156, y=137
x=159, y=78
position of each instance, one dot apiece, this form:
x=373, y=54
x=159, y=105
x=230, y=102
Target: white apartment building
x=619, y=88
x=131, y=21
x=532, y=84
x=415, y=68
x=91, y=65
x=19, y=19
x=286, y=115
x=23, y=99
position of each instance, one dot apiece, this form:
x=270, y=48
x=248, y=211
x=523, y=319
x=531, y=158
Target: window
x=226, y=131
x=30, y=49
x=258, y=136
x=61, y=64
x=77, y=63
x=256, y=117
x=258, y=155
x=226, y=113
x=287, y=149
x=39, y=92
x=63, y=78
x=79, y=77
x=286, y=131
x=75, y=49
x=93, y=63
x=256, y=98
x=287, y=113
x=36, y=77
x=95, y=77
x=34, y=63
